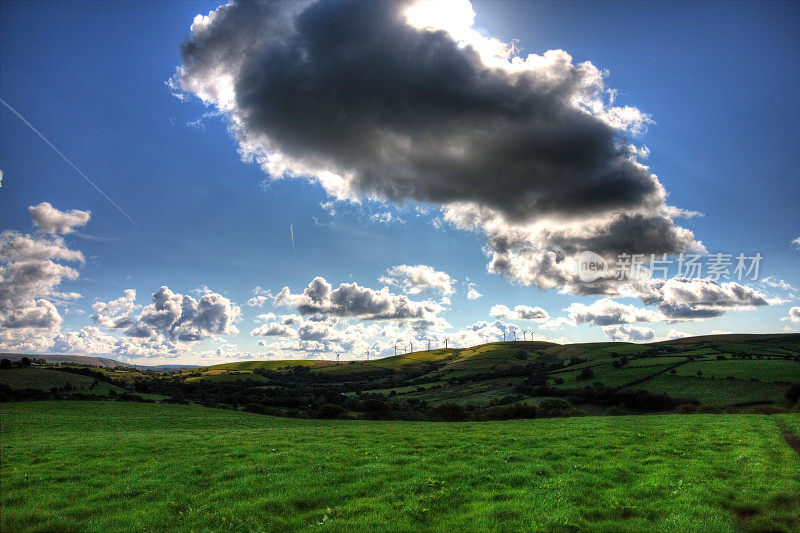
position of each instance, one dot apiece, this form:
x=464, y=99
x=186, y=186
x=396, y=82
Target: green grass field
x=718, y=391
x=101, y=466
x=42, y=378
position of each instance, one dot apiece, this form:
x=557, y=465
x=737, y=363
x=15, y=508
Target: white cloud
x=30, y=273
x=520, y=312
x=415, y=279
x=352, y=300
x=690, y=299
x=624, y=333
x=116, y=314
x=608, y=312
x=276, y=326
x=557, y=323
x=483, y=332
x=40, y=314
x=676, y=334
x=472, y=292
x=385, y=217
x=794, y=315
x=184, y=318
x=274, y=329
x=260, y=297
x=50, y=220
x=92, y=340
x=776, y=283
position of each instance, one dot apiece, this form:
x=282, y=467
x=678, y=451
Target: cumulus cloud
x=273, y=329
x=38, y=314
x=317, y=336
x=623, y=333
x=116, y=314
x=691, y=298
x=184, y=318
x=352, y=300
x=31, y=270
x=794, y=315
x=276, y=326
x=608, y=312
x=163, y=328
x=415, y=279
x=674, y=299
x=405, y=101
x=50, y=220
x=546, y=253
x=796, y=242
x=92, y=340
x=520, y=312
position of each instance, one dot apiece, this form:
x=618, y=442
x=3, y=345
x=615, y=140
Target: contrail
x=70, y=163
x=291, y=233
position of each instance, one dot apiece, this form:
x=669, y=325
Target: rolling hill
x=725, y=370
x=103, y=362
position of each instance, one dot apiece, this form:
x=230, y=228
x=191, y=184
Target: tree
x=24, y=362
x=5, y=364
x=793, y=394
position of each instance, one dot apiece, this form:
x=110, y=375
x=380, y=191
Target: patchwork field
x=101, y=466
x=47, y=379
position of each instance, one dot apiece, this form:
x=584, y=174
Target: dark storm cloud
x=529, y=151
x=407, y=114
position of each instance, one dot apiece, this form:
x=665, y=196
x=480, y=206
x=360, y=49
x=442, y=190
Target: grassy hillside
x=69, y=359
x=102, y=466
x=46, y=379
x=738, y=373
x=42, y=379
x=728, y=371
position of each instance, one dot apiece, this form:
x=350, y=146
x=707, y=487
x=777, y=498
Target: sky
x=186, y=182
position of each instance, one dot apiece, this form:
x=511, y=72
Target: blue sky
x=719, y=81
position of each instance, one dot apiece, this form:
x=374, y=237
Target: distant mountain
x=75, y=359
x=167, y=368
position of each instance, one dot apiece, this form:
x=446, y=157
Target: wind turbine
x=367, y=355
x=504, y=336
x=429, y=345
x=523, y=334
x=395, y=349
x=410, y=346
x=445, y=343
x=337, y=357
x=515, y=334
